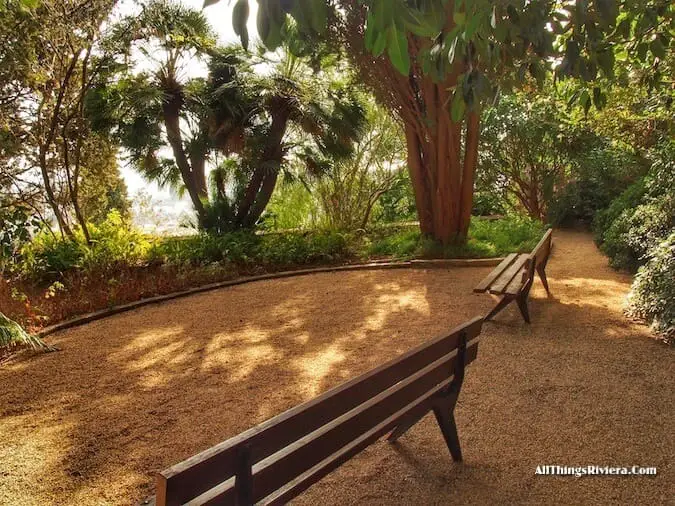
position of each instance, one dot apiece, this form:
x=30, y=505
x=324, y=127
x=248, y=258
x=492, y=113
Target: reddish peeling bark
x=442, y=154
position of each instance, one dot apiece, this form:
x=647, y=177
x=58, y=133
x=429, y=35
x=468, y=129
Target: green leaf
x=493, y=18
x=472, y=26
x=397, y=47
x=240, y=15
x=371, y=33
x=380, y=44
x=458, y=106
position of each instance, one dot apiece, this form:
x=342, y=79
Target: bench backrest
x=283, y=456
x=542, y=250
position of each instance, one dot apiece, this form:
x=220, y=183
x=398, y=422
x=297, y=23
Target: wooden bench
x=282, y=457
x=512, y=279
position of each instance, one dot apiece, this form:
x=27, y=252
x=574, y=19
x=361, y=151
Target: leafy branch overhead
x=495, y=44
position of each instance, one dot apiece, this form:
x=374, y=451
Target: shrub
x=245, y=248
x=629, y=199
x=113, y=243
x=642, y=216
x=298, y=249
x=652, y=297
x=632, y=236
x=48, y=256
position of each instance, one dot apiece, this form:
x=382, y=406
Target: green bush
x=629, y=199
x=246, y=248
x=113, y=243
x=641, y=217
x=633, y=235
x=204, y=249
x=652, y=297
x=48, y=256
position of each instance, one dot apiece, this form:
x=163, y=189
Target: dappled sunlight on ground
x=135, y=393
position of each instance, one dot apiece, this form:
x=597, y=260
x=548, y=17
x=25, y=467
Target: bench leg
x=446, y=421
x=542, y=275
x=505, y=301
x=522, y=305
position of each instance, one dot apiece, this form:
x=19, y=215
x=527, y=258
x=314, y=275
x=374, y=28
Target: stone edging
x=122, y=308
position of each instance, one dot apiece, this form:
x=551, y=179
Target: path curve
x=137, y=392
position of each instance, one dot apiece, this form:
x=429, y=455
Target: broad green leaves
x=397, y=49
x=239, y=19
x=505, y=41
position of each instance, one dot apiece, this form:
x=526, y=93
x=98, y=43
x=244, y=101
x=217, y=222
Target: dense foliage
x=116, y=246
x=637, y=221
x=653, y=292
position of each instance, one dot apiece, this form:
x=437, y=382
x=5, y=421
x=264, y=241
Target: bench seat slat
x=516, y=284
x=201, y=473
x=503, y=281
x=303, y=482
x=490, y=278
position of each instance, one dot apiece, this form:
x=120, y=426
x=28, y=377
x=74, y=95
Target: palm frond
x=11, y=334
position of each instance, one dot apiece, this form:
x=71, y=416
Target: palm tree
x=245, y=125
x=169, y=36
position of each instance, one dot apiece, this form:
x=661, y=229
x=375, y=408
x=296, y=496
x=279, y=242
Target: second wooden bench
x=512, y=279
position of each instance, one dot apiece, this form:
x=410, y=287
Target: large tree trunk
x=442, y=154
x=442, y=180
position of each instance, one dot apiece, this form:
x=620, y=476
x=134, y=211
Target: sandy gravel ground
x=135, y=393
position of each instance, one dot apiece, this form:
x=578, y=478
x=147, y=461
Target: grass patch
x=487, y=239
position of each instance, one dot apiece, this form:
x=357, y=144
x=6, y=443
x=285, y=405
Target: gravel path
x=140, y=391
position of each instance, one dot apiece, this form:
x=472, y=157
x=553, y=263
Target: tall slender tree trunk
x=51, y=198
x=261, y=186
x=171, y=113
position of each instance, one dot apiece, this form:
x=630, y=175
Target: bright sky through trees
x=220, y=17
